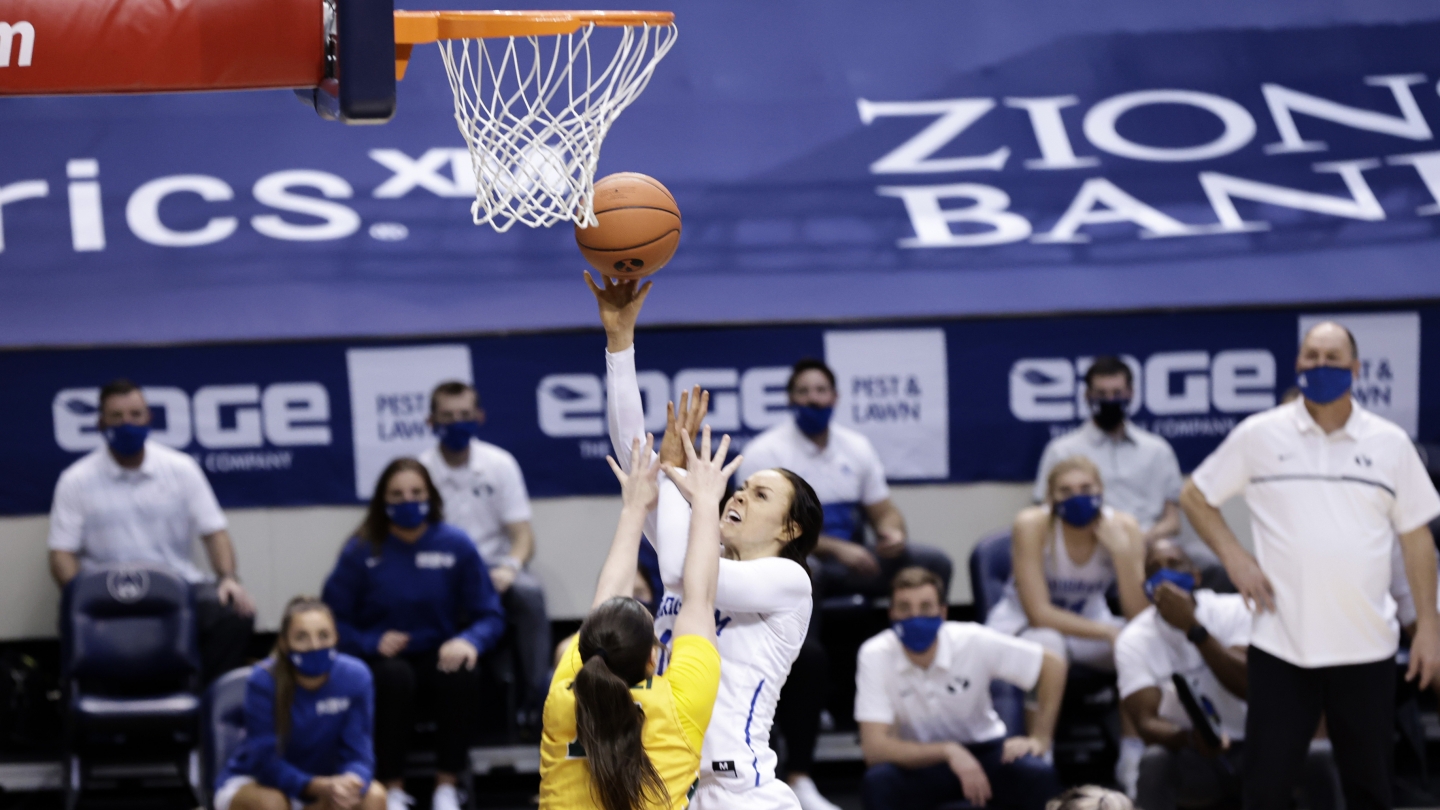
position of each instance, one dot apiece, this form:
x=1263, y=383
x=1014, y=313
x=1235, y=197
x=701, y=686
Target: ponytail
x=806, y=518
x=615, y=643
x=282, y=671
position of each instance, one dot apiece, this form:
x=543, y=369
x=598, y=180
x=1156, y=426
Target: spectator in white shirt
x=138, y=501
x=847, y=475
x=928, y=730
x=1329, y=486
x=849, y=479
x=484, y=493
x=1142, y=476
x=1202, y=637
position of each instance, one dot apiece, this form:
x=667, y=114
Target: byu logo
x=129, y=586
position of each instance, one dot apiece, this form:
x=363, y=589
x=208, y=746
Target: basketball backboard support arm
x=340, y=53
x=359, y=84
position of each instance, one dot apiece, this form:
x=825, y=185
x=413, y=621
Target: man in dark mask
x=1141, y=474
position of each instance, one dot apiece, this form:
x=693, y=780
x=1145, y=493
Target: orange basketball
x=639, y=226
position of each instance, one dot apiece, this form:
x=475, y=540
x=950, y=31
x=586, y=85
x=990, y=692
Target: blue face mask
x=314, y=663
x=408, y=514
x=127, y=439
x=812, y=421
x=1180, y=579
x=918, y=633
x=456, y=436
x=1079, y=510
x=1323, y=384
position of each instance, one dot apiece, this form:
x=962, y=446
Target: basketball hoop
x=535, y=91
x=535, y=97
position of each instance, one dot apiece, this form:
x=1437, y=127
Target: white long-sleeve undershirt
x=747, y=586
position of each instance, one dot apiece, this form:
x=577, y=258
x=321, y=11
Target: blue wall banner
x=834, y=159
x=294, y=423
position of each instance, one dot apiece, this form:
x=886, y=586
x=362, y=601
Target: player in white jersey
x=762, y=600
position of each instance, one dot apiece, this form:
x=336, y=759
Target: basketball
x=639, y=226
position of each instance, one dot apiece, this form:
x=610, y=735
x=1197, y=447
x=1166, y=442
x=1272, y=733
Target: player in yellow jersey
x=616, y=736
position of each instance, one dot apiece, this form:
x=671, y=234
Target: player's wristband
x=512, y=563
x=1197, y=634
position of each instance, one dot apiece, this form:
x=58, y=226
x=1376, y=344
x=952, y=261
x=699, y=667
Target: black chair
x=222, y=727
x=131, y=678
x=990, y=569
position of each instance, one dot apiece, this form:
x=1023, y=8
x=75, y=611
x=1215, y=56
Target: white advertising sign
x=1389, y=381
x=893, y=387
x=389, y=400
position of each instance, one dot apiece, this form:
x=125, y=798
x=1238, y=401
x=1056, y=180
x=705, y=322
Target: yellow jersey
x=677, y=709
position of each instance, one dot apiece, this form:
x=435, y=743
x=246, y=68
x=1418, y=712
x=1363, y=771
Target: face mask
x=918, y=633
x=1180, y=579
x=1109, y=413
x=1079, y=510
x=408, y=514
x=456, y=436
x=1323, y=384
x=127, y=439
x=314, y=663
x=812, y=421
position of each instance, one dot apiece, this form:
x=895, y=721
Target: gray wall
x=284, y=552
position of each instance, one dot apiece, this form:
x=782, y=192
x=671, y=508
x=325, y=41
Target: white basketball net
x=534, y=111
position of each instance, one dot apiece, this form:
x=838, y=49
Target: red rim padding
x=145, y=46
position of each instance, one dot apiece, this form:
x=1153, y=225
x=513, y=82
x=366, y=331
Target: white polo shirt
x=105, y=513
x=949, y=701
x=482, y=496
x=846, y=473
x=1325, y=510
x=1149, y=650
x=1139, y=470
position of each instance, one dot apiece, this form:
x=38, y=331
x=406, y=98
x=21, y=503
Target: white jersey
x=1077, y=588
x=762, y=614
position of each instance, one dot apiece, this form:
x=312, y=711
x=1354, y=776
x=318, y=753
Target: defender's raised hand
x=639, y=488
x=694, y=405
x=704, y=477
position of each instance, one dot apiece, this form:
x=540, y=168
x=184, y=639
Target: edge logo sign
x=1179, y=388
x=241, y=423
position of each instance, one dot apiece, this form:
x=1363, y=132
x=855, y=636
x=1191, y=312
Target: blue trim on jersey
x=754, y=763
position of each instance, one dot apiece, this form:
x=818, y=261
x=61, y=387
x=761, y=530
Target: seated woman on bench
x=308, y=712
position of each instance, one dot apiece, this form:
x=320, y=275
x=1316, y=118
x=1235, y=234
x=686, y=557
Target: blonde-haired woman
x=1090, y=797
x=1068, y=552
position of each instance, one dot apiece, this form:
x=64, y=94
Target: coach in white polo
x=485, y=495
x=1329, y=486
x=138, y=501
